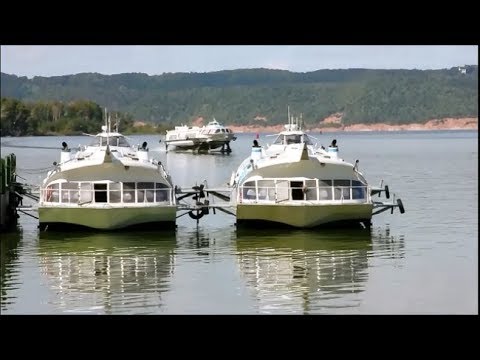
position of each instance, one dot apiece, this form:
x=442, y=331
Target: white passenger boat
x=296, y=183
x=107, y=185
x=209, y=137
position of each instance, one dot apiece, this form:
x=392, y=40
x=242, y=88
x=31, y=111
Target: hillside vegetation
x=20, y=118
x=242, y=97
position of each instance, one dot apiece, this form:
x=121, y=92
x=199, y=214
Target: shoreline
x=432, y=125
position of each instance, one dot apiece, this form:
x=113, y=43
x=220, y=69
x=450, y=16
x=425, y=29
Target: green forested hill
x=20, y=118
x=238, y=96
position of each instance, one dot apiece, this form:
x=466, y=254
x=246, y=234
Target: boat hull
x=198, y=145
x=106, y=218
x=305, y=215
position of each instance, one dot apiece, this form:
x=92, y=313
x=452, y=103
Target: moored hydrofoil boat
x=293, y=182
x=107, y=185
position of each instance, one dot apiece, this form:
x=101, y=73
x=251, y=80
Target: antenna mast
x=116, y=122
x=108, y=130
x=106, y=117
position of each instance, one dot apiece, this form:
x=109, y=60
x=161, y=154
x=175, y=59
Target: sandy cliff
x=435, y=124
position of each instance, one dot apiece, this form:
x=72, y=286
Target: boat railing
x=112, y=195
x=282, y=191
x=162, y=169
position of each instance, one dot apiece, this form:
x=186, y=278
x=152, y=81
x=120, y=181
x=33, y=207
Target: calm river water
x=424, y=261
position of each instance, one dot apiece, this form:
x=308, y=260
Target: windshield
x=292, y=139
x=112, y=141
x=307, y=139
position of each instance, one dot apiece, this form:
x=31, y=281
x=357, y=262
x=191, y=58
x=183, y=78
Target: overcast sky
x=154, y=60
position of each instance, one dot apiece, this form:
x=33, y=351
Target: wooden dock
x=10, y=193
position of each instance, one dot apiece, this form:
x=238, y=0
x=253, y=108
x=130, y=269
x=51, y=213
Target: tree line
x=20, y=118
x=240, y=96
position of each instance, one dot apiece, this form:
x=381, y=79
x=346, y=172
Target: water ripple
x=423, y=261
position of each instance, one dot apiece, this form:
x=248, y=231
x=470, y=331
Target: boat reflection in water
x=108, y=272
x=8, y=259
x=303, y=272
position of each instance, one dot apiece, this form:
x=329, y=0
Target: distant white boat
x=107, y=185
x=209, y=137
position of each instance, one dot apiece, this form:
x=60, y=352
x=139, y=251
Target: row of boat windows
x=193, y=135
x=281, y=190
x=112, y=141
x=115, y=192
x=293, y=139
x=217, y=131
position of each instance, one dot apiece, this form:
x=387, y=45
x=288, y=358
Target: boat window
x=325, y=193
x=97, y=141
x=249, y=191
x=283, y=191
x=307, y=139
x=145, y=185
x=297, y=190
x=149, y=195
x=293, y=139
x=358, y=190
x=122, y=141
x=85, y=192
x=357, y=183
x=279, y=140
x=217, y=131
x=310, y=189
x=145, y=191
x=115, y=192
x=112, y=141
x=266, y=190
x=51, y=193
x=160, y=195
x=140, y=196
x=117, y=141
x=162, y=192
x=100, y=193
x=69, y=192
x=129, y=192
x=115, y=186
x=341, y=182
x=342, y=189
x=325, y=189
